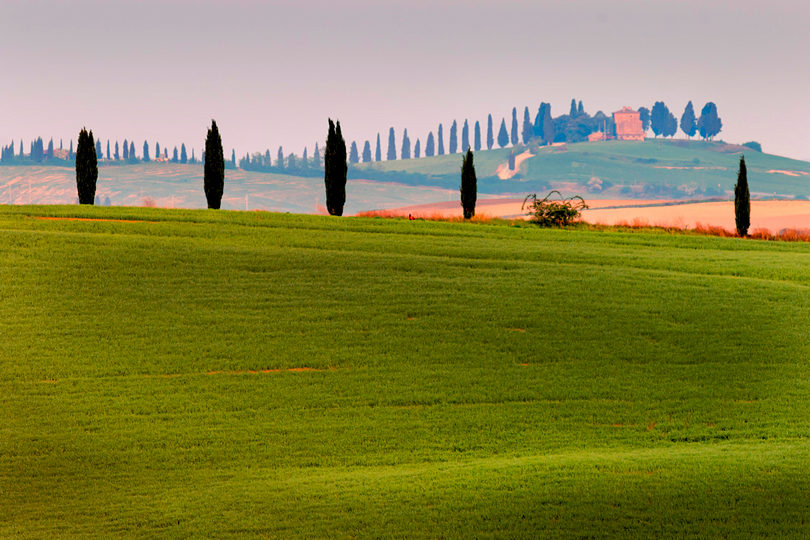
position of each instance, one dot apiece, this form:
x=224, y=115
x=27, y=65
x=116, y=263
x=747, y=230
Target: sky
x=271, y=73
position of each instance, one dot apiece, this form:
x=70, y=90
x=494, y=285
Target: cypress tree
x=440, y=141
x=580, y=108
x=378, y=150
x=86, y=167
x=305, y=158
x=354, y=156
x=70, y=152
x=709, y=124
x=157, y=150
x=742, y=201
x=146, y=151
x=367, y=152
x=268, y=162
x=503, y=137
x=233, y=157
x=116, y=156
x=688, y=121
x=392, y=148
x=644, y=116
x=548, y=125
x=514, y=133
x=183, y=154
x=430, y=146
x=573, y=112
x=406, y=146
x=335, y=170
x=528, y=127
x=214, y=168
x=658, y=118
x=99, y=155
x=469, y=188
x=50, y=149
x=132, y=155
x=316, y=157
x=465, y=137
x=126, y=150
x=490, y=137
x=175, y=158
x=477, y=144
x=280, y=158
x=453, y=143
x=291, y=164
x=417, y=149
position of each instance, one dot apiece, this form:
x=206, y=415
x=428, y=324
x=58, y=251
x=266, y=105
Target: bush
x=753, y=145
x=554, y=213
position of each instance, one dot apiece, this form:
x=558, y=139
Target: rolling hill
x=211, y=373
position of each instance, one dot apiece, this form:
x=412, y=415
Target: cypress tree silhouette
x=116, y=156
x=214, y=168
x=580, y=108
x=392, y=148
x=146, y=151
x=709, y=124
x=305, y=158
x=440, y=141
x=430, y=146
x=742, y=201
x=503, y=137
x=175, y=156
x=417, y=149
x=453, y=144
x=126, y=150
x=132, y=155
x=469, y=188
x=354, y=156
x=86, y=167
x=50, y=150
x=477, y=143
x=183, y=154
x=465, y=137
x=157, y=150
x=280, y=158
x=490, y=138
x=406, y=146
x=378, y=150
x=514, y=133
x=367, y=152
x=316, y=156
x=688, y=121
x=573, y=112
x=528, y=127
x=335, y=170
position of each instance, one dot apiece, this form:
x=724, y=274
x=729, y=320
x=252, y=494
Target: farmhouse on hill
x=628, y=125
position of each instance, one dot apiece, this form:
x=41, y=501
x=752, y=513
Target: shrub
x=554, y=213
x=753, y=145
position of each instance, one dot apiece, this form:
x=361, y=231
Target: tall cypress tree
x=406, y=146
x=469, y=187
x=392, y=147
x=490, y=137
x=98, y=150
x=573, y=112
x=658, y=118
x=280, y=158
x=116, y=156
x=378, y=150
x=742, y=201
x=86, y=167
x=528, y=127
x=335, y=170
x=417, y=149
x=233, y=157
x=305, y=158
x=175, y=157
x=49, y=153
x=132, y=155
x=157, y=150
x=126, y=150
x=514, y=133
x=214, y=168
x=440, y=141
x=503, y=136
x=709, y=124
x=146, y=151
x=477, y=143
x=453, y=143
x=465, y=137
x=430, y=146
x=183, y=154
x=580, y=108
x=367, y=152
x=354, y=155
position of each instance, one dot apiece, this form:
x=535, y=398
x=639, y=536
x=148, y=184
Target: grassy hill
x=625, y=169
x=179, y=373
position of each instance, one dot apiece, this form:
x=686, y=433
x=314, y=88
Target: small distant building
x=596, y=136
x=628, y=125
x=60, y=154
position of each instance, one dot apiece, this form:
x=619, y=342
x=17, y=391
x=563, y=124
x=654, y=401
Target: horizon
x=283, y=69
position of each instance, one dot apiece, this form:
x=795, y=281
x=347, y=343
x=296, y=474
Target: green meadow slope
x=200, y=373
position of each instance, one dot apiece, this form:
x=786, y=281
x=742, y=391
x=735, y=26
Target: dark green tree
x=417, y=149
x=183, y=154
x=335, y=170
x=490, y=136
x=305, y=159
x=132, y=155
x=49, y=152
x=430, y=146
x=367, y=152
x=175, y=157
x=406, y=146
x=671, y=126
x=391, y=155
x=126, y=150
x=146, y=156
x=742, y=201
x=214, y=168
x=644, y=116
x=354, y=155
x=688, y=121
x=157, y=150
x=548, y=125
x=99, y=154
x=440, y=141
x=514, y=133
x=580, y=108
x=453, y=142
x=280, y=158
x=469, y=185
x=233, y=157
x=528, y=127
x=573, y=111
x=116, y=156
x=316, y=156
x=503, y=136
x=658, y=118
x=477, y=143
x=378, y=151
x=86, y=167
x=709, y=124
x=465, y=136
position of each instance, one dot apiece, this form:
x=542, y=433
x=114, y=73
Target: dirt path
x=503, y=171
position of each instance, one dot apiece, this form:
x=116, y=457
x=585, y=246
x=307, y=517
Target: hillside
x=198, y=373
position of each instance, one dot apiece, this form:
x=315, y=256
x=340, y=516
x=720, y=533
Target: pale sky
x=271, y=73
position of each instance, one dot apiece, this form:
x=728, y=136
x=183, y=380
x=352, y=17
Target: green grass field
x=465, y=380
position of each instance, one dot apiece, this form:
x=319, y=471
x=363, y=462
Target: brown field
x=769, y=215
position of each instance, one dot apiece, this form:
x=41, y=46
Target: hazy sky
x=271, y=73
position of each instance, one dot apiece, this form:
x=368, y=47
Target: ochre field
x=210, y=373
